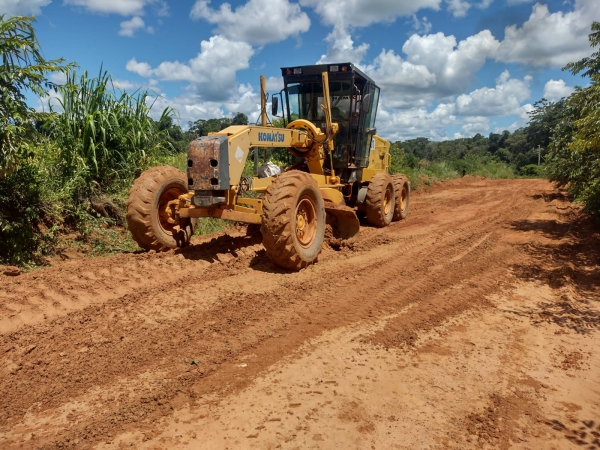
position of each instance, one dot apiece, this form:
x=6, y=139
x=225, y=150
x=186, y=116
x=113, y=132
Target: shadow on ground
x=567, y=255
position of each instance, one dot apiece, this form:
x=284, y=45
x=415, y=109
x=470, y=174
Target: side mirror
x=366, y=103
x=274, y=105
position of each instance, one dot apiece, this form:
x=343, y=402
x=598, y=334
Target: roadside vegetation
x=65, y=173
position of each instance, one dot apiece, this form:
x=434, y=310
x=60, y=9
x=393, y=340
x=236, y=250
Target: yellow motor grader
x=340, y=171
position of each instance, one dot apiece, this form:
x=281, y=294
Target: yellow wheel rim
x=387, y=201
x=306, y=221
x=165, y=218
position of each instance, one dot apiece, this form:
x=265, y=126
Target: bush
x=21, y=212
x=531, y=170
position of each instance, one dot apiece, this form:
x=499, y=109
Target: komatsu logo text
x=270, y=137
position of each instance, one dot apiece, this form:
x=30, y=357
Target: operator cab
x=354, y=98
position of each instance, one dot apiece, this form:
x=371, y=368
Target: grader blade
x=343, y=221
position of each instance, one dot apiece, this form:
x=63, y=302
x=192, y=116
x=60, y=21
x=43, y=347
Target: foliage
x=21, y=210
x=23, y=69
x=104, y=135
x=531, y=171
x=574, y=154
x=202, y=127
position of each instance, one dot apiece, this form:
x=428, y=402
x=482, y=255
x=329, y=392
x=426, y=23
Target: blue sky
x=447, y=68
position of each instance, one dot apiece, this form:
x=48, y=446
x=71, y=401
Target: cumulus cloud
x=458, y=8
x=341, y=48
x=550, y=40
x=257, y=22
x=392, y=71
x=421, y=26
x=143, y=69
x=274, y=84
x=502, y=100
x=361, y=13
x=211, y=72
x=470, y=111
x=193, y=106
x=122, y=7
x=22, y=7
x=415, y=122
x=435, y=67
x=554, y=90
x=129, y=27
x=346, y=15
x=474, y=125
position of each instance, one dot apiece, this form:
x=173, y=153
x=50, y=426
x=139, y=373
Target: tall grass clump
x=106, y=136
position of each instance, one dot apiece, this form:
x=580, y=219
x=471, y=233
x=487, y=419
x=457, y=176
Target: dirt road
x=472, y=324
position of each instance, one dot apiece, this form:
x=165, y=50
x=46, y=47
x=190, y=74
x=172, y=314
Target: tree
x=543, y=120
x=23, y=69
x=240, y=119
x=573, y=160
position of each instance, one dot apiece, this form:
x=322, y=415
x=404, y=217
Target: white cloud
x=129, y=27
x=361, y=13
x=554, y=90
x=345, y=15
x=550, y=40
x=435, y=67
x=257, y=22
x=58, y=78
x=415, y=122
x=421, y=26
x=458, y=8
x=274, y=84
x=392, y=71
x=212, y=71
x=22, y=7
x=341, y=48
x=471, y=112
x=192, y=107
x=122, y=7
x=503, y=100
x=474, y=125
x=143, y=69
x=124, y=85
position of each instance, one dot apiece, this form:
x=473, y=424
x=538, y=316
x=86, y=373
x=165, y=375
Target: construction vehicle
x=341, y=172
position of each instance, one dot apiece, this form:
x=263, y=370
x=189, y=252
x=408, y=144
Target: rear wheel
x=151, y=226
x=379, y=203
x=402, y=193
x=293, y=220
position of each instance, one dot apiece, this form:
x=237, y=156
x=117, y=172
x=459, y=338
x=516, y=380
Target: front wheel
x=293, y=220
x=151, y=225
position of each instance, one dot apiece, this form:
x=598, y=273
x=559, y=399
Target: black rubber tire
x=401, y=191
x=379, y=203
x=151, y=190
x=291, y=193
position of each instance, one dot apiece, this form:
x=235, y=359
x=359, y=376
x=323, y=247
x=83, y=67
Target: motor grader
x=340, y=172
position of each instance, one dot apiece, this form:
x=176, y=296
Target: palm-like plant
x=23, y=68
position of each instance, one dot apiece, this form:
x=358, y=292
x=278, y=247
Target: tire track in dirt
x=245, y=307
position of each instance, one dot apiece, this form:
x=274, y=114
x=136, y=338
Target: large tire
x=379, y=203
x=402, y=196
x=293, y=220
x=148, y=197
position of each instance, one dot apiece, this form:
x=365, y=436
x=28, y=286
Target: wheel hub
x=306, y=221
x=166, y=217
x=387, y=201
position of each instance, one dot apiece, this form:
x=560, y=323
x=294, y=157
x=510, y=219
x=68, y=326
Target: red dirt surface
x=471, y=324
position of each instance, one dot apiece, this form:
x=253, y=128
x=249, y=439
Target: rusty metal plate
x=208, y=163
